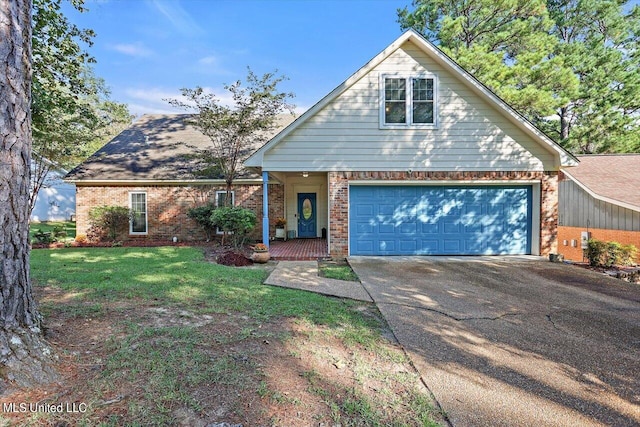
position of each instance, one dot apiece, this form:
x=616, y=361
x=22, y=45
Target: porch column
x=265, y=208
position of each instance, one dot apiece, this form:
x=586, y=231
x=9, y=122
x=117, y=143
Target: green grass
x=168, y=362
x=48, y=227
x=180, y=275
x=339, y=272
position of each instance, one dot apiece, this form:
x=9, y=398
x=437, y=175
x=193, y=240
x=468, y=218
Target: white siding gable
x=471, y=133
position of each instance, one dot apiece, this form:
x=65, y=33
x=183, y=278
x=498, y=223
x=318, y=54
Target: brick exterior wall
x=573, y=233
x=167, y=207
x=339, y=200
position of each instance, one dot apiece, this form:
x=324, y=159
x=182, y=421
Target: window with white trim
x=138, y=206
x=221, y=198
x=408, y=101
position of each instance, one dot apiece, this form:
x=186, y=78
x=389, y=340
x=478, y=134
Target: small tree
x=235, y=130
x=202, y=215
x=236, y=221
x=110, y=221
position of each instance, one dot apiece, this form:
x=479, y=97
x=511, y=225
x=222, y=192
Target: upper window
x=408, y=101
x=138, y=205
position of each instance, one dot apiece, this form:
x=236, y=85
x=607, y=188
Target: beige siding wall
x=345, y=135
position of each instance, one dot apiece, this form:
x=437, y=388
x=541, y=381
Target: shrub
x=81, y=238
x=236, y=221
x=628, y=254
x=202, y=215
x=596, y=252
x=606, y=254
x=109, y=221
x=46, y=237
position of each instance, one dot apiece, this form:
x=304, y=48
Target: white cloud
x=178, y=16
x=211, y=65
x=155, y=100
x=132, y=49
x=151, y=101
x=208, y=60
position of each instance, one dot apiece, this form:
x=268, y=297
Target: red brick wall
x=167, y=207
x=573, y=233
x=339, y=200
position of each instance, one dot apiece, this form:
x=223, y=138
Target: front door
x=307, y=215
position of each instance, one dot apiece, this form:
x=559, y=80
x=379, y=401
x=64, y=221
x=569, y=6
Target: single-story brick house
x=600, y=196
x=153, y=168
x=410, y=155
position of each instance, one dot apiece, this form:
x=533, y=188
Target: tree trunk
x=564, y=125
x=25, y=358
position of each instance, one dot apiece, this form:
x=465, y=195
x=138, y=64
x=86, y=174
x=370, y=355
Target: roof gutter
x=147, y=182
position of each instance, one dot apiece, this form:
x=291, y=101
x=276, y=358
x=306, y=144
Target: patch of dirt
x=285, y=372
x=334, y=262
x=214, y=249
x=233, y=259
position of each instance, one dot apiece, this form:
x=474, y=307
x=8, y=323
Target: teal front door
x=307, y=215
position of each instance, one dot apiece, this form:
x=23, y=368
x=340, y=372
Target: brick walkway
x=299, y=250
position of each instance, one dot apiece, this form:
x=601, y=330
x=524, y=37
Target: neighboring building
x=410, y=155
x=600, y=196
x=56, y=199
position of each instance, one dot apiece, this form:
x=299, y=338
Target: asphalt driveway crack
x=548, y=316
x=458, y=319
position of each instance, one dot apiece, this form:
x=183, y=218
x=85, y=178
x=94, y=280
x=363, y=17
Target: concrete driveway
x=514, y=341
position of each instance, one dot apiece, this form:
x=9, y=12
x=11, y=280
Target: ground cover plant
x=337, y=269
x=62, y=231
x=160, y=336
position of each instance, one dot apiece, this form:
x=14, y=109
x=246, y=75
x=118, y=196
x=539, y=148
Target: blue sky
x=146, y=50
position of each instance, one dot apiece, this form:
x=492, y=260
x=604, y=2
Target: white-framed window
x=408, y=101
x=138, y=206
x=221, y=197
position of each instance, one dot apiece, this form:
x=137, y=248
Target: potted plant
x=280, y=231
x=260, y=253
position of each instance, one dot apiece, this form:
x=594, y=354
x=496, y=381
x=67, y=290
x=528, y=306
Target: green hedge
x=606, y=254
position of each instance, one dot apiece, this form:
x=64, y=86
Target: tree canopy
x=71, y=110
x=570, y=66
x=236, y=129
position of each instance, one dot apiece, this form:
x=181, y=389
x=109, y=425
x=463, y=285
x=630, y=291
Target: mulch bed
x=234, y=259
x=628, y=274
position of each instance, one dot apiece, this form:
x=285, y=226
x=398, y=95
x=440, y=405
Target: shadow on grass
x=180, y=275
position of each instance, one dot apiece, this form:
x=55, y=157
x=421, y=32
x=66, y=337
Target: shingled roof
x=157, y=147
x=610, y=177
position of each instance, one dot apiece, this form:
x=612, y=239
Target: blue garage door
x=445, y=220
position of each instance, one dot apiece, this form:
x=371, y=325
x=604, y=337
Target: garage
x=440, y=220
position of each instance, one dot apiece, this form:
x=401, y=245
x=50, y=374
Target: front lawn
x=159, y=336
